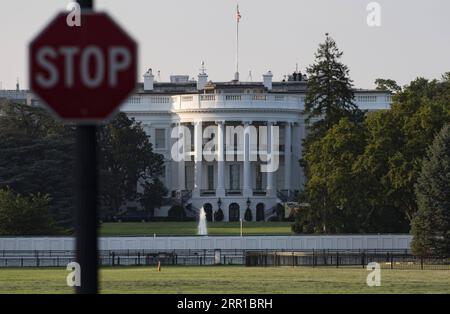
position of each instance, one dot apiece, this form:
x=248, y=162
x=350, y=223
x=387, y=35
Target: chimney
x=148, y=80
x=202, y=78
x=267, y=80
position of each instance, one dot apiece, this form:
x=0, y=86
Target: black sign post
x=74, y=100
x=86, y=187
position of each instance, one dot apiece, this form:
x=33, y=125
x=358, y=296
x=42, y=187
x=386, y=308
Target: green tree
x=153, y=194
x=248, y=216
x=21, y=215
x=361, y=176
x=36, y=156
x=329, y=95
x=329, y=98
x=385, y=204
x=387, y=85
x=177, y=212
x=126, y=158
x=30, y=121
x=218, y=215
x=397, y=140
x=333, y=189
x=431, y=223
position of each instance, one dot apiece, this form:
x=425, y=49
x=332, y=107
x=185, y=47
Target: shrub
x=177, y=212
x=20, y=215
x=218, y=215
x=279, y=210
x=248, y=215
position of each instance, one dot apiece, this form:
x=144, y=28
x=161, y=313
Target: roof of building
x=190, y=87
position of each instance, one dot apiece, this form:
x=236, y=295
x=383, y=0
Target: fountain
x=202, y=228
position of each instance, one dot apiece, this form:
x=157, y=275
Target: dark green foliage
x=177, y=212
x=279, y=210
x=218, y=215
x=361, y=172
x=330, y=94
x=21, y=215
x=298, y=227
x=387, y=85
x=431, y=223
x=332, y=188
x=37, y=155
x=153, y=195
x=248, y=216
x=396, y=145
x=126, y=157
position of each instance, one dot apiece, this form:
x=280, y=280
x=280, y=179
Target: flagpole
x=236, y=76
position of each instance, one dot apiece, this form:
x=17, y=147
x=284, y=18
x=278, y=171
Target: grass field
x=230, y=279
x=190, y=228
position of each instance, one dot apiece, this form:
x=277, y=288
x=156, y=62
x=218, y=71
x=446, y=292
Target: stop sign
x=83, y=73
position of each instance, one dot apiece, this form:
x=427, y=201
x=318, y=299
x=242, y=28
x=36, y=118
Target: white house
x=212, y=112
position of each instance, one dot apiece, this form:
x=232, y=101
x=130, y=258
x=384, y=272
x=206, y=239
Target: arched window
x=208, y=211
x=233, y=212
x=260, y=212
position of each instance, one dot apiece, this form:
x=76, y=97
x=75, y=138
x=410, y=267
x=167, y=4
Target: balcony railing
x=207, y=192
x=233, y=192
x=259, y=192
x=184, y=102
x=232, y=101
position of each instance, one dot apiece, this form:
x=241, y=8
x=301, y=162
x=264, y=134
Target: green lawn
x=230, y=279
x=190, y=228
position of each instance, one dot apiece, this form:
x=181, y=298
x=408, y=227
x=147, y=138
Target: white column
x=198, y=143
x=270, y=175
x=287, y=156
x=181, y=163
x=247, y=188
x=220, y=191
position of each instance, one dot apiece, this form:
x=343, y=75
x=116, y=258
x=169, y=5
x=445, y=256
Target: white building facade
x=241, y=119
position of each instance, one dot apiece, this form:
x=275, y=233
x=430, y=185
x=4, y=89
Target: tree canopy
x=431, y=223
x=126, y=158
x=329, y=96
x=20, y=215
x=37, y=156
x=361, y=169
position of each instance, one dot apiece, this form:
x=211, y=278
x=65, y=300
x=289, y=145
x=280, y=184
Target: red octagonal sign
x=83, y=73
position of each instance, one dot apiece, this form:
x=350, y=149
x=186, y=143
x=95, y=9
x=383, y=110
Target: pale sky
x=174, y=36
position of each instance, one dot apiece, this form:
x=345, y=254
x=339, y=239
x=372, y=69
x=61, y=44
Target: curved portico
x=226, y=153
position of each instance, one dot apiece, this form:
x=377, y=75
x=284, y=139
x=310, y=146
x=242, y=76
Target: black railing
x=388, y=259
x=207, y=192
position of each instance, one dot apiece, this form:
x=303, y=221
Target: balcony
x=237, y=101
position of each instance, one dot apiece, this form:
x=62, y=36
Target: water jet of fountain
x=202, y=228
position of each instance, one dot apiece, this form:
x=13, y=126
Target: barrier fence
x=386, y=260
x=393, y=259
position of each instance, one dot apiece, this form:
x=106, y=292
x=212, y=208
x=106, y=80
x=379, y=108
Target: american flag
x=238, y=15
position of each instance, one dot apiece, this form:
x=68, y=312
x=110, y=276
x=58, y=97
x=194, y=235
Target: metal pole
x=86, y=188
x=236, y=76
x=237, y=47
x=86, y=214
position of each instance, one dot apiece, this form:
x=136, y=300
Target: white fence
x=336, y=242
